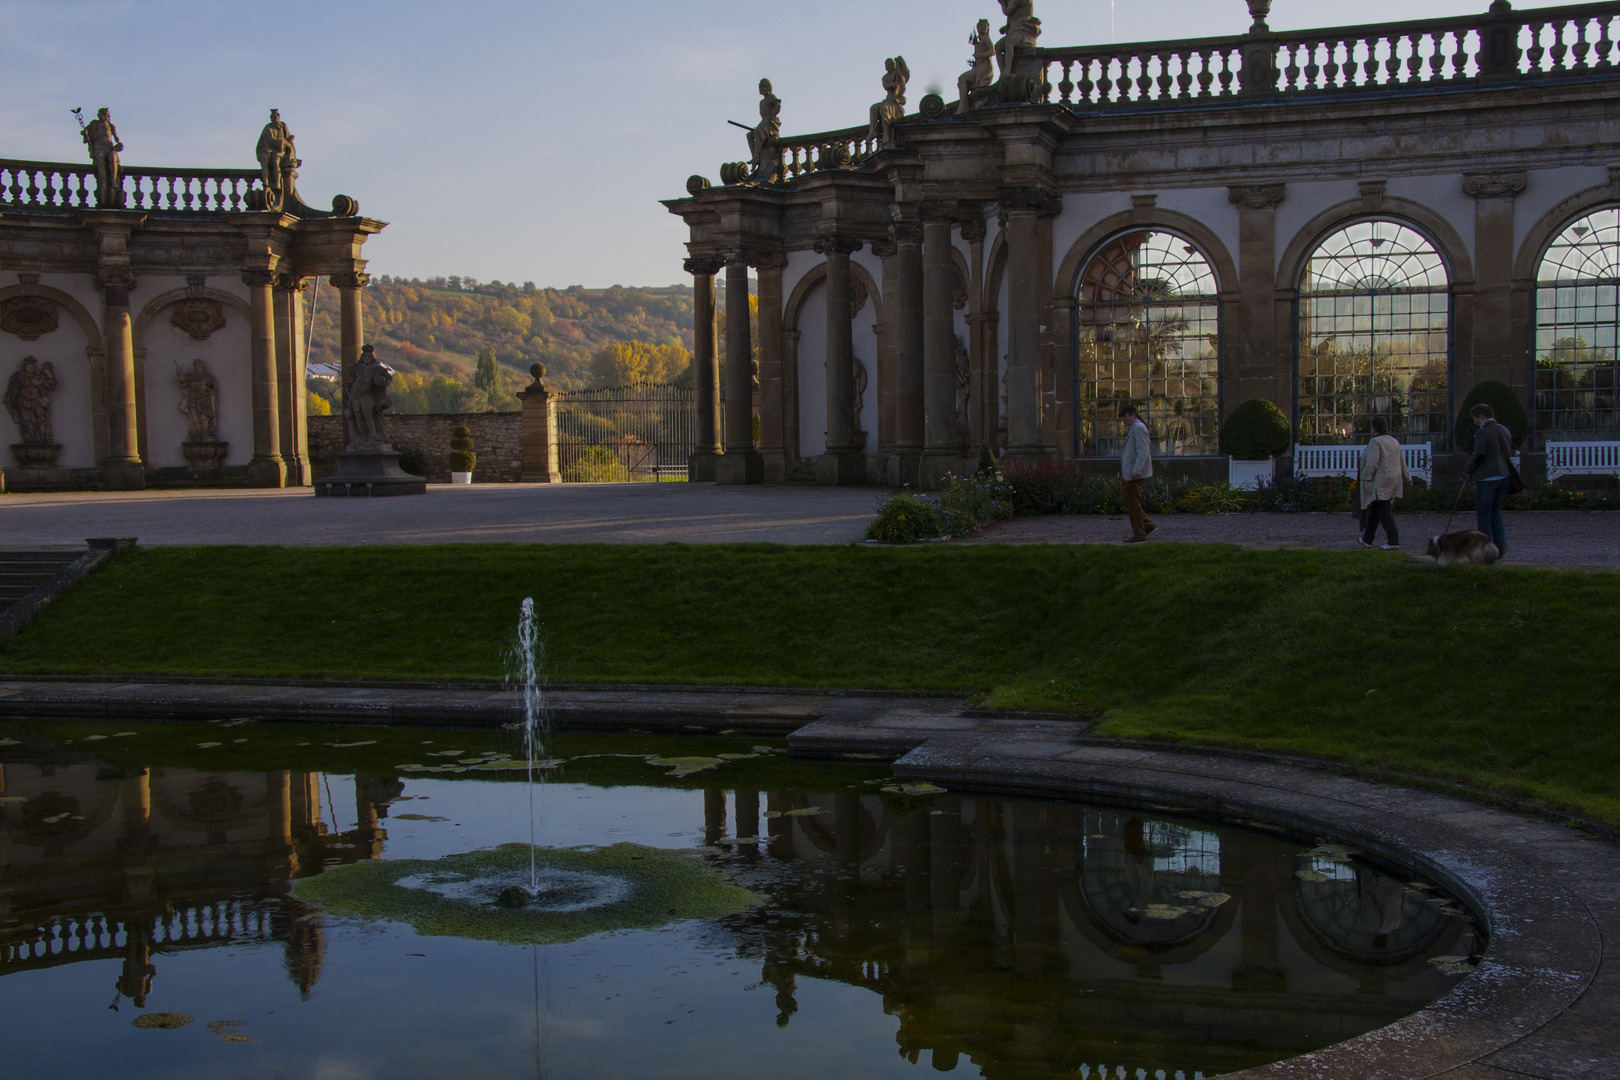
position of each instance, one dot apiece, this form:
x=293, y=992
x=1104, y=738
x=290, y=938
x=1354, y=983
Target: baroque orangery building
x=1349, y=222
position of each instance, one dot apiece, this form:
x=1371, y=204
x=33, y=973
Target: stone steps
x=21, y=572
x=31, y=579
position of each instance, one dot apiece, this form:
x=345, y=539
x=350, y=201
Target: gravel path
x=1540, y=539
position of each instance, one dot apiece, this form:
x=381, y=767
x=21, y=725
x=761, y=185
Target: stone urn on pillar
x=538, y=432
x=370, y=465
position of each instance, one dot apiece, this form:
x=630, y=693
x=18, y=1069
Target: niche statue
x=368, y=403
x=199, y=401
x=28, y=400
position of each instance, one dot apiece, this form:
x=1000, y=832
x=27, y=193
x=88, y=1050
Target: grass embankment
x=1499, y=677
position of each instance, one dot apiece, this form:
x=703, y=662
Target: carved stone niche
x=199, y=317
x=29, y=317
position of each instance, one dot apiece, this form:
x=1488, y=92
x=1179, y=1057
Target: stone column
x=843, y=462
x=123, y=466
x=943, y=452
x=538, y=431
x=705, y=373
x=291, y=363
x=741, y=463
x=1256, y=364
x=1021, y=207
x=1489, y=355
x=267, y=467
x=909, y=340
x=351, y=326
x=772, y=434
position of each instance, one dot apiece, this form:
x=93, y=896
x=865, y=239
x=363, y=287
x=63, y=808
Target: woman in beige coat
x=1383, y=480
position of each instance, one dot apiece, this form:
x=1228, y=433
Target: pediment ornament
x=199, y=317
x=29, y=317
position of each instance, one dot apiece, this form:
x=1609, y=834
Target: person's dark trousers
x=1381, y=512
x=1130, y=492
x=1489, y=495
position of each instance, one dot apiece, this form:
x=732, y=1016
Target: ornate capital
x=113, y=277
x=1502, y=185
x=770, y=259
x=973, y=230
x=355, y=280
x=294, y=283
x=258, y=279
x=904, y=232
x=1029, y=200
x=703, y=265
x=1256, y=196
x=885, y=249
x=934, y=213
x=838, y=245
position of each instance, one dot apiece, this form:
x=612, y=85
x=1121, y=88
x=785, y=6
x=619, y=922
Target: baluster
x=1431, y=65
x=1414, y=59
x=33, y=187
x=1228, y=73
x=1105, y=82
x=1312, y=68
x=1392, y=62
x=1085, y=86
x=1290, y=74
x=1559, y=49
x=1144, y=78
x=1165, y=80
x=1065, y=86
x=1331, y=68
x=1583, y=46
x=1535, y=52
x=1605, y=45
x=53, y=184
x=1369, y=63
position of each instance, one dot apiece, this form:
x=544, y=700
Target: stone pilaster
x=772, y=402
x=741, y=463
x=907, y=328
x=1490, y=352
x=942, y=438
x=1258, y=361
x=1022, y=207
x=267, y=467
x=705, y=372
x=842, y=462
x=115, y=279
x=291, y=364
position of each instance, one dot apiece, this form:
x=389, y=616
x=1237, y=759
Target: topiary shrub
x=462, y=458
x=905, y=519
x=1256, y=430
x=1509, y=413
x=413, y=461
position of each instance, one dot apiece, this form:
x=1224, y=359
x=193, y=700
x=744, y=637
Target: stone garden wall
x=497, y=437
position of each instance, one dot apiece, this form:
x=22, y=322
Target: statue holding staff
x=101, y=138
x=762, y=138
x=368, y=402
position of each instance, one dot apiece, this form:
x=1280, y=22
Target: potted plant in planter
x=462, y=458
x=1253, y=436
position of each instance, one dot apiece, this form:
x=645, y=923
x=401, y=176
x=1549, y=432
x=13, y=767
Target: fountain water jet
x=527, y=665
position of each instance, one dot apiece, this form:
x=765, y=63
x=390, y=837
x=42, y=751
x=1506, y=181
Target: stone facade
x=1254, y=155
x=498, y=438
x=125, y=290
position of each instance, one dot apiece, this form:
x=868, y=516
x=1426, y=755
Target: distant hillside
x=439, y=327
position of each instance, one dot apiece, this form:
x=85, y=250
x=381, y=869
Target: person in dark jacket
x=1489, y=468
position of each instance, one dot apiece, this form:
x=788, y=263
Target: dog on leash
x=1463, y=546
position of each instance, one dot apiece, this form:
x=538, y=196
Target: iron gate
x=617, y=434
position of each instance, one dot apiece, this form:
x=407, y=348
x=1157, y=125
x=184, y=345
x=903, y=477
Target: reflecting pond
x=193, y=900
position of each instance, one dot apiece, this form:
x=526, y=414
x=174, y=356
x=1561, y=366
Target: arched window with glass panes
x=1374, y=336
x=1576, y=322
x=1149, y=335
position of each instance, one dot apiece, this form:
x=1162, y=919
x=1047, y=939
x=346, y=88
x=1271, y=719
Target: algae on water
x=620, y=887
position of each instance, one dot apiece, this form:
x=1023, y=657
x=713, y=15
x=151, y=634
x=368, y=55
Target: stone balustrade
x=825, y=150
x=1503, y=46
x=55, y=185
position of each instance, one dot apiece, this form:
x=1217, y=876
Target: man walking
x=1135, y=466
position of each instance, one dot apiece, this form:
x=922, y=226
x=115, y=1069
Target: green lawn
x=1498, y=677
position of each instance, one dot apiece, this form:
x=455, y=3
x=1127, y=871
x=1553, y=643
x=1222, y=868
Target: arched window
x=1150, y=337
x=1576, y=320
x=1374, y=336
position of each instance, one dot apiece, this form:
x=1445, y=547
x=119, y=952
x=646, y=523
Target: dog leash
x=1455, y=507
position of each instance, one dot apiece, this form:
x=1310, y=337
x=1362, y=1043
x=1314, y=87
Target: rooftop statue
x=28, y=399
x=1021, y=32
x=368, y=402
x=278, y=161
x=101, y=137
x=983, y=71
x=893, y=106
x=762, y=137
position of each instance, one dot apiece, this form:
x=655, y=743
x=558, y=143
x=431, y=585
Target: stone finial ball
x=537, y=370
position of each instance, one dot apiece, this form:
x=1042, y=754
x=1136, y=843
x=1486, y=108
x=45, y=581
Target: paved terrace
x=687, y=513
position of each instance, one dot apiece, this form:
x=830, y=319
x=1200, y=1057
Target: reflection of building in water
x=1028, y=935
x=100, y=865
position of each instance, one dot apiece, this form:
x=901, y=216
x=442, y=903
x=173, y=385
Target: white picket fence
x=1582, y=458
x=1346, y=460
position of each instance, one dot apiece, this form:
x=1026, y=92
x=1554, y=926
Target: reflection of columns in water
x=139, y=873
x=945, y=869
x=1260, y=878
x=714, y=815
x=780, y=827
x=746, y=809
x=1034, y=901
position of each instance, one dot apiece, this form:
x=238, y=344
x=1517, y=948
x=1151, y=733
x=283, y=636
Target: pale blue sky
x=518, y=140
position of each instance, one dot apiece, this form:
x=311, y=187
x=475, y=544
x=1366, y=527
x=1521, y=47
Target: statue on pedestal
x=28, y=400
x=893, y=106
x=199, y=401
x=1021, y=32
x=762, y=138
x=278, y=161
x=368, y=402
x=101, y=137
x=983, y=71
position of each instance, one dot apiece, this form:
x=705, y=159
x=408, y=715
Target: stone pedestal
x=36, y=455
x=127, y=478
x=739, y=467
x=538, y=434
x=836, y=468
x=205, y=455
x=363, y=473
